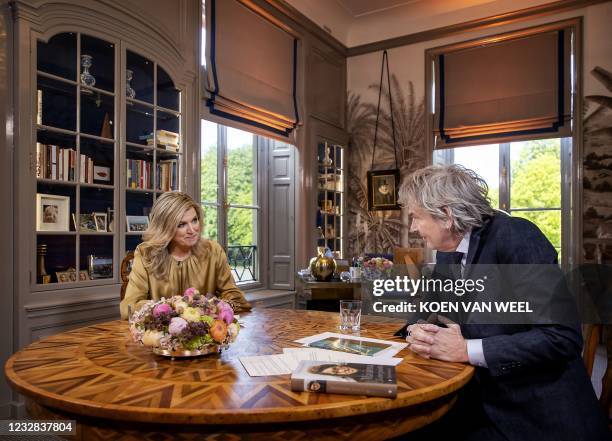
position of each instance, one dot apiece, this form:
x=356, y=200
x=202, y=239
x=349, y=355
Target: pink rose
x=190, y=292
x=226, y=313
x=162, y=308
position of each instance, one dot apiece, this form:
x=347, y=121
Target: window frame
x=447, y=156
x=222, y=205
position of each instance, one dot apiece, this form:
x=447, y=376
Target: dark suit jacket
x=535, y=386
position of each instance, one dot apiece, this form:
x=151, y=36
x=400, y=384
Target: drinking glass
x=350, y=315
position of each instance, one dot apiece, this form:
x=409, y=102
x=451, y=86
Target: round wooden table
x=116, y=389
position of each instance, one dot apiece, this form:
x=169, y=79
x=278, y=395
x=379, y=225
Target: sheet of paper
x=287, y=362
x=353, y=344
x=316, y=354
x=264, y=365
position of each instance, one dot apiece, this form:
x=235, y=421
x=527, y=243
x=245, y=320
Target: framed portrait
x=66, y=276
x=383, y=186
x=137, y=223
x=86, y=222
x=52, y=212
x=100, y=267
x=100, y=221
x=83, y=275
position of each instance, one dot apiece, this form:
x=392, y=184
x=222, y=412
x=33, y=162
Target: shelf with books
x=330, y=197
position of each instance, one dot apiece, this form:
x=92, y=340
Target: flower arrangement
x=190, y=322
x=377, y=268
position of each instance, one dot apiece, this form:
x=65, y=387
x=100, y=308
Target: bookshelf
x=330, y=197
x=107, y=125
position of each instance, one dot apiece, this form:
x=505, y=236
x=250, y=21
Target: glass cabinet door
x=330, y=198
x=75, y=159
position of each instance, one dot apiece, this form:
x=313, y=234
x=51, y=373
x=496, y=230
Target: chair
x=592, y=336
x=126, y=267
x=411, y=257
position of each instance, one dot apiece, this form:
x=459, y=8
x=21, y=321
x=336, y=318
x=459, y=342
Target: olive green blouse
x=209, y=274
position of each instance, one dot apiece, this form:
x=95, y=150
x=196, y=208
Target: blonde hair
x=166, y=214
x=453, y=187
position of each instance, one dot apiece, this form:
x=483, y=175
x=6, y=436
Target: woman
x=174, y=257
x=530, y=381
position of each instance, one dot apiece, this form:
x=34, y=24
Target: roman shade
x=511, y=87
x=251, y=68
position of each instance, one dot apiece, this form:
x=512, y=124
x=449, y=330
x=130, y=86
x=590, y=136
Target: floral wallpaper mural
x=381, y=231
x=597, y=183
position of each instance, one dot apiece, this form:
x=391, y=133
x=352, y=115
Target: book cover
x=345, y=378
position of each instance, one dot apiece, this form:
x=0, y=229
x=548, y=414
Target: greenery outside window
x=230, y=196
x=525, y=179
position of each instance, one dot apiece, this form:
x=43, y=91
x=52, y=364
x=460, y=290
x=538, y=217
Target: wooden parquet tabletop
x=97, y=371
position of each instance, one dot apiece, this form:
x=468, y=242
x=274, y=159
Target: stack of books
x=55, y=162
x=138, y=174
x=167, y=175
x=87, y=169
x=165, y=139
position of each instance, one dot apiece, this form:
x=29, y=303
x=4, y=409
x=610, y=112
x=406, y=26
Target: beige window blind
x=513, y=88
x=251, y=68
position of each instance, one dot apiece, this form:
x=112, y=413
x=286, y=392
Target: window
x=230, y=195
x=525, y=180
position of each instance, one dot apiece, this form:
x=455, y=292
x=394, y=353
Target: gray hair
x=454, y=187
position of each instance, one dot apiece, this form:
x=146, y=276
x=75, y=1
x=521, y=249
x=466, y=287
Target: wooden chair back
x=126, y=267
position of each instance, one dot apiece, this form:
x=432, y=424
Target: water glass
x=350, y=315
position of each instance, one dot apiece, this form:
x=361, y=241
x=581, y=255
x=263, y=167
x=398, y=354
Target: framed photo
x=100, y=221
x=137, y=223
x=66, y=276
x=110, y=219
x=383, y=188
x=86, y=222
x=83, y=275
x=100, y=267
x=102, y=174
x=52, y=212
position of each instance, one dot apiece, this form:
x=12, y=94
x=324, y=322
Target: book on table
x=345, y=378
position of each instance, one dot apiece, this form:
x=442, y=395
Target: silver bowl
x=209, y=349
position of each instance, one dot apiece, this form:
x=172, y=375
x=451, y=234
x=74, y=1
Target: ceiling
x=357, y=8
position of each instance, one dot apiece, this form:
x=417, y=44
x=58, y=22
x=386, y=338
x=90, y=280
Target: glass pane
x=208, y=162
x=536, y=174
x=168, y=130
x=141, y=71
x=548, y=221
x=97, y=114
x=241, y=166
x=484, y=160
x=338, y=156
x=168, y=96
x=56, y=104
x=102, y=155
x=99, y=55
x=241, y=226
x=96, y=204
x=58, y=56
x=55, y=259
x=47, y=162
x=139, y=124
x=55, y=206
x=138, y=203
x=132, y=241
x=96, y=257
x=167, y=171
x=210, y=222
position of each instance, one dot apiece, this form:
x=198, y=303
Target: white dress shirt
x=474, y=346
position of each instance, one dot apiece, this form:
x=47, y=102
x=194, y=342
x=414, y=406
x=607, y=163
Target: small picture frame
x=110, y=218
x=383, y=188
x=102, y=174
x=100, y=267
x=100, y=221
x=86, y=222
x=66, y=276
x=83, y=275
x=52, y=212
x=137, y=223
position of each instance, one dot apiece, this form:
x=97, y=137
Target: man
x=530, y=381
